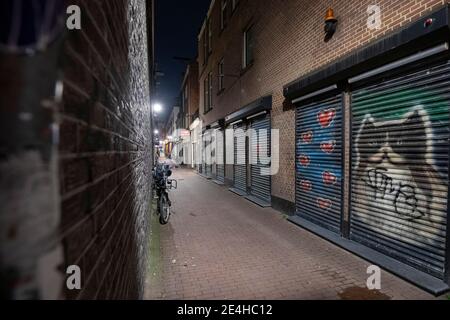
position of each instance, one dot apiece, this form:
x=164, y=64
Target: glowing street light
x=157, y=108
x=156, y=131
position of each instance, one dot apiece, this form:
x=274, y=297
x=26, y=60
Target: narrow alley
x=220, y=246
x=309, y=142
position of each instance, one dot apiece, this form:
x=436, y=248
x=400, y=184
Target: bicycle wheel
x=164, y=208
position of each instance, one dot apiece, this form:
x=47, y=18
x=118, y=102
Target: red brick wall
x=105, y=149
x=289, y=43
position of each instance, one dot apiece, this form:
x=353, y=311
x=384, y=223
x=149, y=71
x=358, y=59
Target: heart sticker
x=324, y=204
x=328, y=146
x=329, y=178
x=326, y=117
x=304, y=160
x=306, y=185
x=307, y=137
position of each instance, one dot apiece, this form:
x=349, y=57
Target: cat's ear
x=368, y=124
x=416, y=122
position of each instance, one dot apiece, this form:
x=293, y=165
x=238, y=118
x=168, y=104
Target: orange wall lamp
x=330, y=24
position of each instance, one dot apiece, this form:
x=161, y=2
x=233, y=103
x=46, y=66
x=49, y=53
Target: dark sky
x=177, y=24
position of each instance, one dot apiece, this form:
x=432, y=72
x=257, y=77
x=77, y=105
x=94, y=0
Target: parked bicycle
x=161, y=186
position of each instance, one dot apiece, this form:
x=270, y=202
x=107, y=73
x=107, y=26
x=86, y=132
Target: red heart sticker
x=324, y=204
x=304, y=160
x=307, y=137
x=328, y=146
x=326, y=117
x=329, y=178
x=306, y=185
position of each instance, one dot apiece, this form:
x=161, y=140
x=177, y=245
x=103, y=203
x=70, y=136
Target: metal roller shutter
x=319, y=162
x=207, y=164
x=240, y=158
x=400, y=129
x=203, y=160
x=213, y=151
x=260, y=158
x=220, y=167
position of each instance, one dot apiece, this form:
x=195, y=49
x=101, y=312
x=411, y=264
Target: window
x=248, y=47
x=205, y=95
x=223, y=14
x=234, y=4
x=210, y=76
x=221, y=76
x=208, y=92
x=205, y=49
x=209, y=36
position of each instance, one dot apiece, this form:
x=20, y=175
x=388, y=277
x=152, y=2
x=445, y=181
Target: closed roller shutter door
x=260, y=158
x=240, y=167
x=213, y=149
x=220, y=167
x=319, y=161
x=400, y=167
x=208, y=154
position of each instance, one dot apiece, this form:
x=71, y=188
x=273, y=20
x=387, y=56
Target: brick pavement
x=220, y=246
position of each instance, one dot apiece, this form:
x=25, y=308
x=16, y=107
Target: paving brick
x=242, y=251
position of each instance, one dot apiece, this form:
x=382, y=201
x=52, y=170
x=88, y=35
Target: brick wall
x=75, y=165
x=105, y=149
x=289, y=43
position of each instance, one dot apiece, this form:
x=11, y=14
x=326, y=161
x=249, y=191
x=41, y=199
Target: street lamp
x=157, y=108
x=156, y=132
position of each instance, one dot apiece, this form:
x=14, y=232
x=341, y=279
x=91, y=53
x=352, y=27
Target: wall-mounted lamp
x=330, y=24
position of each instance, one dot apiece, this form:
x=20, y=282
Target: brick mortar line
x=96, y=181
x=73, y=156
x=86, y=95
x=76, y=55
x=97, y=128
x=92, y=242
x=68, y=231
x=99, y=56
x=121, y=44
x=97, y=262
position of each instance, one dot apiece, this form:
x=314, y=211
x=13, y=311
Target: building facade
x=339, y=104
x=190, y=109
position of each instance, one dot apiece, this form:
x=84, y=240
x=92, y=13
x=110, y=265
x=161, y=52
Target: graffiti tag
x=405, y=201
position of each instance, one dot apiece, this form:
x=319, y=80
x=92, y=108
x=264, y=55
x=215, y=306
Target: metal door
x=220, y=161
x=240, y=157
x=260, y=158
x=208, y=160
x=319, y=162
x=400, y=167
x=203, y=152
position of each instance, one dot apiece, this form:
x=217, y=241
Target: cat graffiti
x=395, y=166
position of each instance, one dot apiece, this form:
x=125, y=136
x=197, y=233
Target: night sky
x=177, y=24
